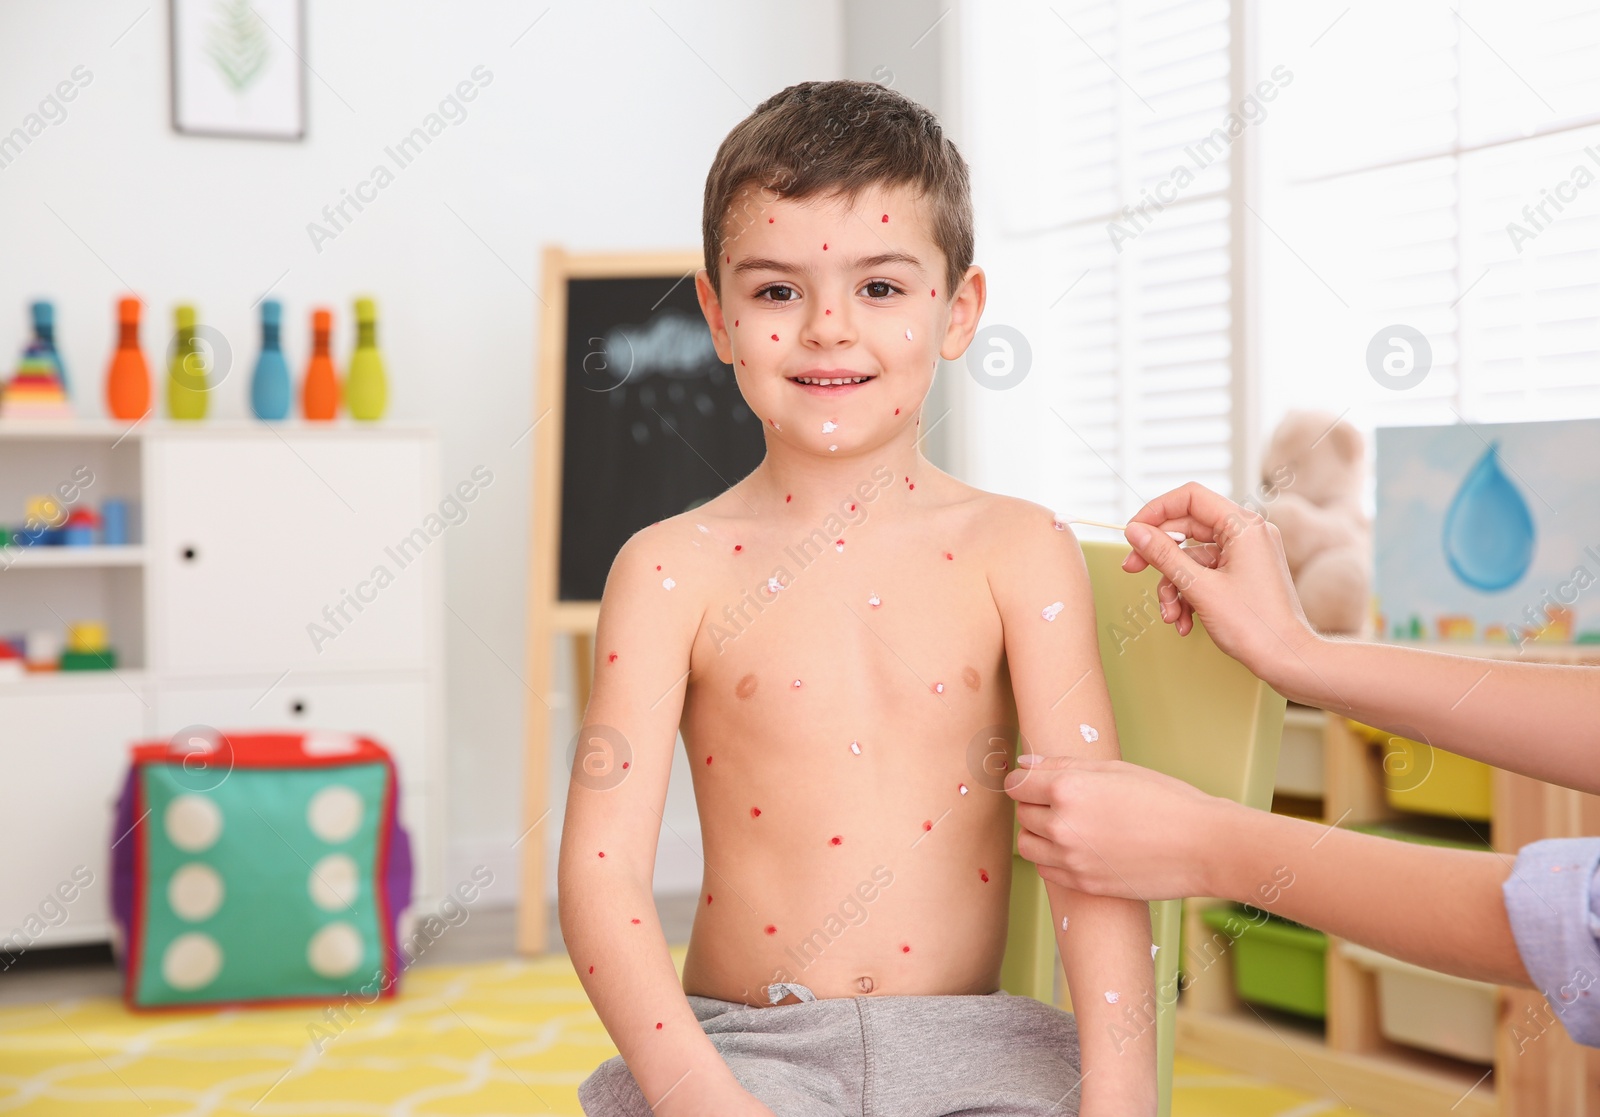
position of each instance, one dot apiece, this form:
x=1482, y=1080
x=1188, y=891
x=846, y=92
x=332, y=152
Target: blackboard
x=653, y=422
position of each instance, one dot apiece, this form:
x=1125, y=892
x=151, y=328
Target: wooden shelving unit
x=1538, y=1070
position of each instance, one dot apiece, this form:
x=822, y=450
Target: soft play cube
x=259, y=867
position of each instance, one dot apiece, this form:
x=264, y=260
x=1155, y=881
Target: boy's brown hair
x=837, y=137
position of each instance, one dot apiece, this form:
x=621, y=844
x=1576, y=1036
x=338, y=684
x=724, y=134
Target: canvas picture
x=238, y=68
x=1489, y=533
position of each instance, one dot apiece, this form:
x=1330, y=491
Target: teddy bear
x=1312, y=475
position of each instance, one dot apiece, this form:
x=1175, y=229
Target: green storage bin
x=1277, y=963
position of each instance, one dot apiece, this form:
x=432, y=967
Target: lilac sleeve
x=1553, y=900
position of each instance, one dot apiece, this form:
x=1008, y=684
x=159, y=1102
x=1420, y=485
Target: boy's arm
x=613, y=824
x=1041, y=586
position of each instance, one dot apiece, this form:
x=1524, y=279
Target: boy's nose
x=829, y=324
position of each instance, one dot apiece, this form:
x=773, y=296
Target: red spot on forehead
x=836, y=840
x=771, y=930
x=755, y=812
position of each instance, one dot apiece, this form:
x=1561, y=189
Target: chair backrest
x=1182, y=707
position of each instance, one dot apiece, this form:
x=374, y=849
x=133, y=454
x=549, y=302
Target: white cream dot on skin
x=962, y=788
x=773, y=585
x=839, y=546
x=1051, y=611
x=834, y=447
x=855, y=747
x=1089, y=732
x=908, y=335
x=797, y=682
x=1063, y=923
x=703, y=528
x=829, y=427
x=667, y=583
x=874, y=601
x=1112, y=996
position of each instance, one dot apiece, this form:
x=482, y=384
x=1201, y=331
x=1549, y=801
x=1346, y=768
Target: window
x=1434, y=166
x=1105, y=158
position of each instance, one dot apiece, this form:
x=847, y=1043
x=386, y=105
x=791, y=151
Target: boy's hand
x=1237, y=582
x=1075, y=816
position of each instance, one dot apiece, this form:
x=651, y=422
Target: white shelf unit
x=247, y=535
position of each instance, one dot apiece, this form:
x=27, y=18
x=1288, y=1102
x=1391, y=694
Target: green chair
x=1182, y=707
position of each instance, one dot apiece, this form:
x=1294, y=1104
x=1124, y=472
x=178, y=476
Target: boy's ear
x=711, y=307
x=965, y=310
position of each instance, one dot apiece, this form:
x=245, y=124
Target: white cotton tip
x=1051, y=611
x=1112, y=996
x=667, y=583
x=1089, y=732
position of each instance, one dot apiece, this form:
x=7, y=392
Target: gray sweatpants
x=881, y=1057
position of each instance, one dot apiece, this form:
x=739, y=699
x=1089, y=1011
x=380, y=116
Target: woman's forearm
x=1439, y=908
x=1542, y=720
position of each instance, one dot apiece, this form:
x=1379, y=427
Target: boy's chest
x=846, y=622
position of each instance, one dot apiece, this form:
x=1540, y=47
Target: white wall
x=595, y=132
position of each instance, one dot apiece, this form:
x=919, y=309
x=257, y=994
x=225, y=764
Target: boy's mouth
x=831, y=382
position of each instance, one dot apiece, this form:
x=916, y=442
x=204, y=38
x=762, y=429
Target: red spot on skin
x=913, y=485
x=658, y=566
x=770, y=220
x=771, y=930
x=836, y=840
x=634, y=921
x=787, y=497
x=838, y=542
x=738, y=547
x=927, y=824
x=774, y=337
x=905, y=950
x=983, y=875
x=736, y=323
x=728, y=260
x=755, y=812
x=824, y=248
x=708, y=897
x=827, y=312
x=591, y=969
x=624, y=764
x=612, y=658
x=658, y=1025
x=933, y=294
x=602, y=853
x=708, y=760
x=886, y=218
x=852, y=508
x=741, y=362
x=949, y=556
x=897, y=411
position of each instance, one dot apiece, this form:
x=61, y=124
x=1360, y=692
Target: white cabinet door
x=273, y=551
x=395, y=714
x=64, y=749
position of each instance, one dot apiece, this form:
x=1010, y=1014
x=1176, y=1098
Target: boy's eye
x=878, y=289
x=778, y=293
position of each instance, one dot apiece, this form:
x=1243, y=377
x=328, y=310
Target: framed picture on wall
x=238, y=69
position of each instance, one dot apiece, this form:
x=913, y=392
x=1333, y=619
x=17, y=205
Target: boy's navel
x=747, y=686
x=970, y=676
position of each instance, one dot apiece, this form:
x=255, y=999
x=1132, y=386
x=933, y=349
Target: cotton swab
x=1176, y=536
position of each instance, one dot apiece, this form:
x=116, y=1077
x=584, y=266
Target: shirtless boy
x=849, y=640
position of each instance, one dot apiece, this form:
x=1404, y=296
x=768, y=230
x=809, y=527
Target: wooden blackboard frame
x=548, y=616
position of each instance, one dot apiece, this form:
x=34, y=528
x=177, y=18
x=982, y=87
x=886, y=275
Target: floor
x=477, y=1031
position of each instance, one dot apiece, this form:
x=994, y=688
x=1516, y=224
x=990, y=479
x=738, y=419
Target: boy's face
x=824, y=289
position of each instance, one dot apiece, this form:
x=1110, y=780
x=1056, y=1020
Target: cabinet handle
x=298, y=707
x=189, y=553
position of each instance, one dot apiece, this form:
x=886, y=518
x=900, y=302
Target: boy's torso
x=843, y=734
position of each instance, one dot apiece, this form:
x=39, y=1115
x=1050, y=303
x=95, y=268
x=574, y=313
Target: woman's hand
x=1112, y=828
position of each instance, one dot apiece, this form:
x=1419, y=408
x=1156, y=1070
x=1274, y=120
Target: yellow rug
x=508, y=1038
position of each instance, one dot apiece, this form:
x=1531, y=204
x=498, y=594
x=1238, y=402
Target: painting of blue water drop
x=1488, y=531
